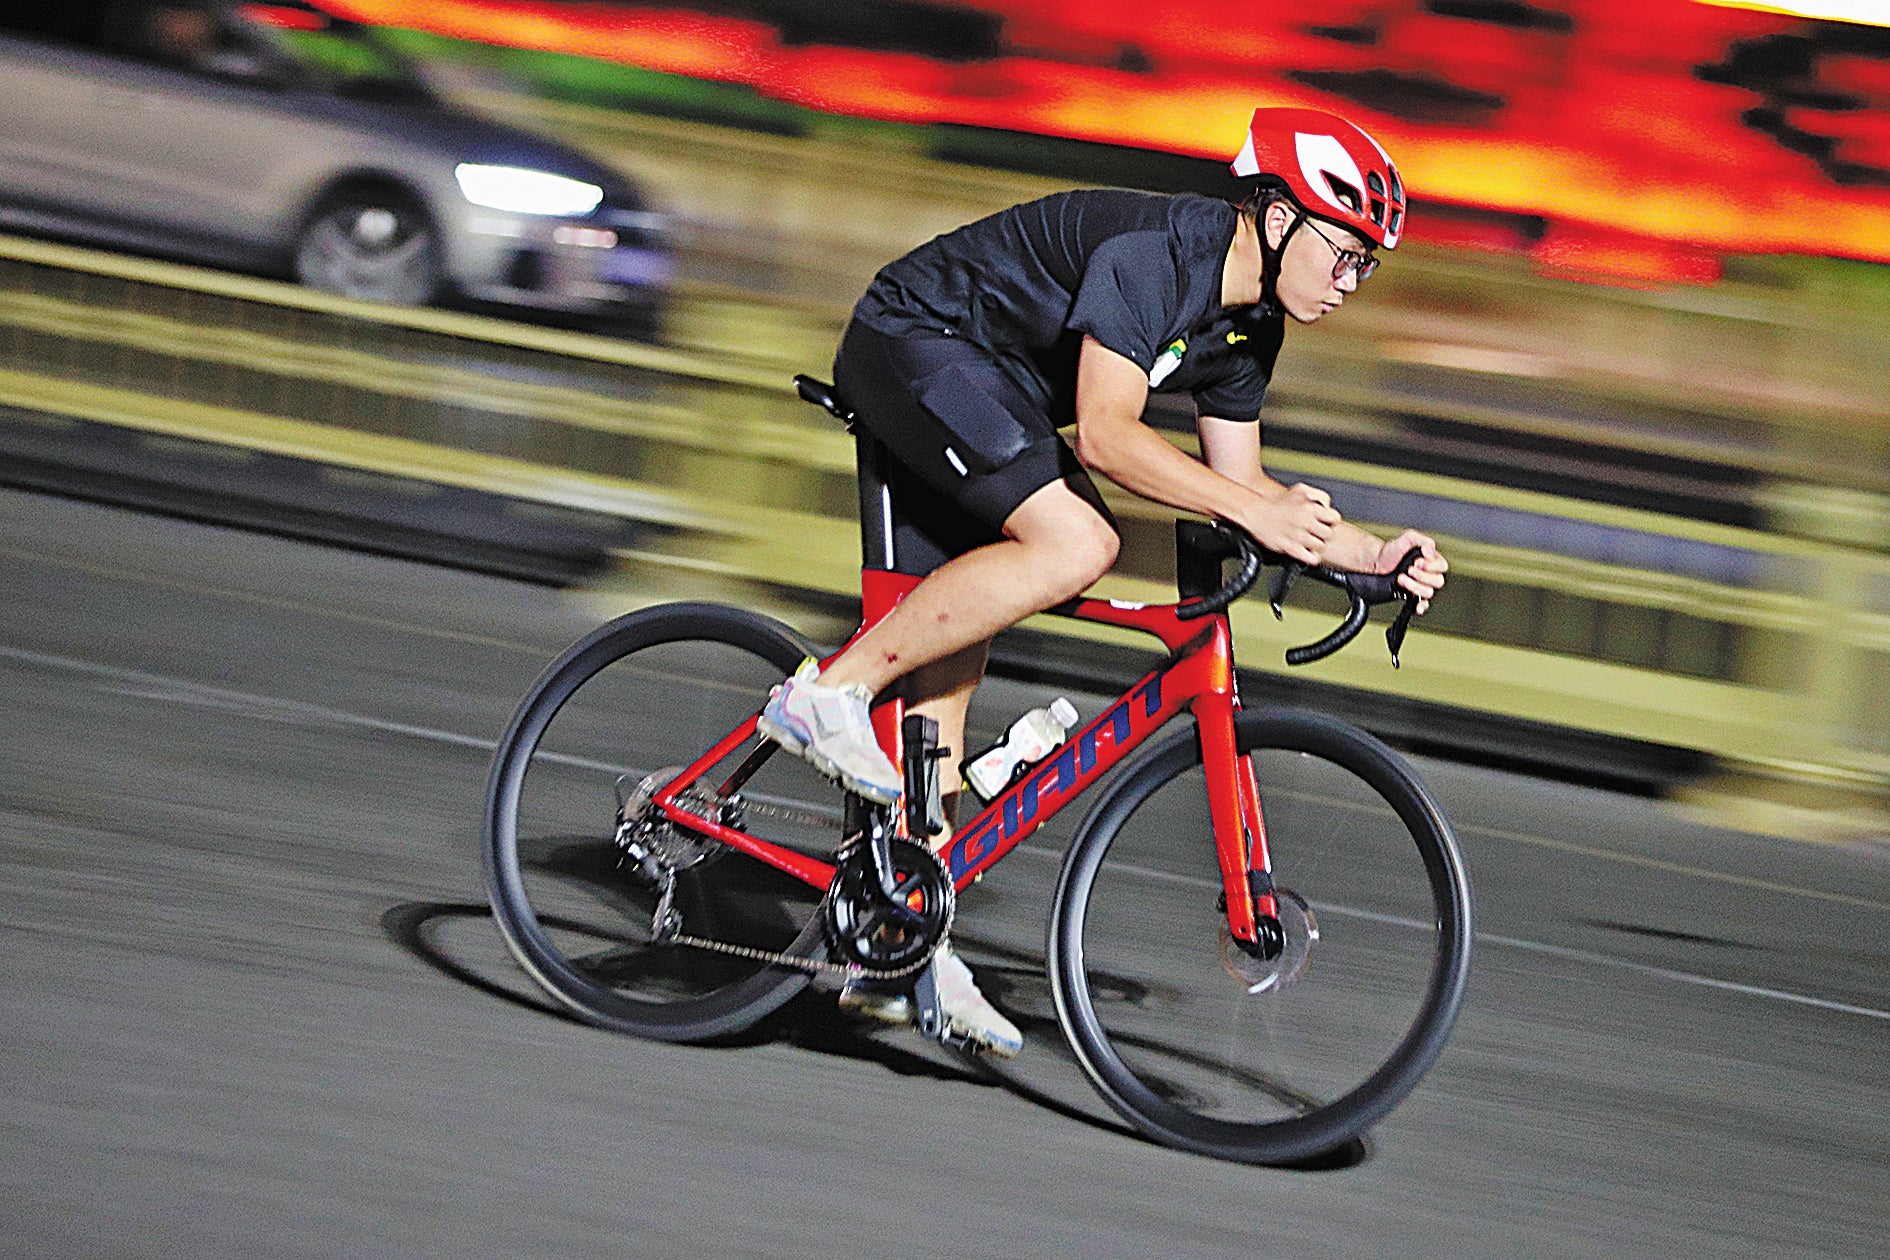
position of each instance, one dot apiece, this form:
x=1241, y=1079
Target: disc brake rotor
x=1269, y=975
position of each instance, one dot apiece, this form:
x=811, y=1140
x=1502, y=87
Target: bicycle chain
x=704, y=804
x=786, y=813
x=709, y=804
x=817, y=966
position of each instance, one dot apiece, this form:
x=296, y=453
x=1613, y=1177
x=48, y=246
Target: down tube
x=1006, y=822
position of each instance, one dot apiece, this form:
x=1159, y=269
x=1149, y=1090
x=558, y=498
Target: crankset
x=887, y=913
x=1280, y=955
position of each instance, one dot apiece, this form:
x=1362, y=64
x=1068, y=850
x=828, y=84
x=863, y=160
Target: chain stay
x=666, y=923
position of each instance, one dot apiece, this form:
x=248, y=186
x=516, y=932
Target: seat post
x=876, y=505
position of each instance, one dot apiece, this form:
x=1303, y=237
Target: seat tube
x=876, y=552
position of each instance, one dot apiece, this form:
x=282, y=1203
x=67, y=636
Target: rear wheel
x=570, y=845
x=1276, y=1055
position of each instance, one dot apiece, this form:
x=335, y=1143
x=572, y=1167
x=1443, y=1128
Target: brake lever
x=1283, y=578
x=1407, y=607
x=1363, y=590
x=1394, y=633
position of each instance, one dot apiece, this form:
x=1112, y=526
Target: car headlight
x=524, y=191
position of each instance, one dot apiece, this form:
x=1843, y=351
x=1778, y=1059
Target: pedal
x=925, y=808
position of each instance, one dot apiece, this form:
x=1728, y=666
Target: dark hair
x=1270, y=189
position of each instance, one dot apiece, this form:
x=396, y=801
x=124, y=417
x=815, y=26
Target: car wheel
x=377, y=245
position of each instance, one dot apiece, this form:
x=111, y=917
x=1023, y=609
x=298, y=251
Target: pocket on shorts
x=980, y=432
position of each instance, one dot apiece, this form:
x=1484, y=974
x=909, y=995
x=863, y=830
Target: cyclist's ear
x=1274, y=222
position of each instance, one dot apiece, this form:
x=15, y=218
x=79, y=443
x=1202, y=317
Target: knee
x=1089, y=551
x=1070, y=542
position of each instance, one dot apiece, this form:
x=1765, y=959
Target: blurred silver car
x=277, y=137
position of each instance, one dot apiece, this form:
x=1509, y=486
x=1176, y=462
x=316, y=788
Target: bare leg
x=1056, y=546
x=942, y=692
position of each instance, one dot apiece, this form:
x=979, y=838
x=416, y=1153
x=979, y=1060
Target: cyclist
x=964, y=358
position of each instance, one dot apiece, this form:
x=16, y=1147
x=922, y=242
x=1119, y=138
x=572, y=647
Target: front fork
x=1240, y=833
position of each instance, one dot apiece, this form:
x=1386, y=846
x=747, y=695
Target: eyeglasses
x=1345, y=260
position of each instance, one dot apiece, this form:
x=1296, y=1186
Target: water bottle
x=1030, y=739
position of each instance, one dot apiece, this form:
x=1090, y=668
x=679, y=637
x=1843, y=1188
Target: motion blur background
x=1630, y=366
x=558, y=262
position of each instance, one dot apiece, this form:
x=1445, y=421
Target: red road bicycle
x=1260, y=933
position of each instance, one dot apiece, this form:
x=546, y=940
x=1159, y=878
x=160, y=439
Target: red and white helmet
x=1333, y=169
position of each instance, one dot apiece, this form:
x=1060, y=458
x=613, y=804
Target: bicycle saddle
x=822, y=394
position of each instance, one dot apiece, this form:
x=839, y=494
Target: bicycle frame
x=1198, y=677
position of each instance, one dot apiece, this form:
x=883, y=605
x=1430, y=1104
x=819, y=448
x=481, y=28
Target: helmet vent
x=1397, y=217
x=1346, y=193
x=1374, y=183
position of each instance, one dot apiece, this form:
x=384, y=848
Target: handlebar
x=1363, y=590
x=1200, y=545
x=1208, y=544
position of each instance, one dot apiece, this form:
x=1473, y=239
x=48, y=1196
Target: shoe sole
x=769, y=729
x=896, y=1013
x=900, y=1015
x=978, y=1045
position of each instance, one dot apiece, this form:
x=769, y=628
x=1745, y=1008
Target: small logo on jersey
x=1167, y=361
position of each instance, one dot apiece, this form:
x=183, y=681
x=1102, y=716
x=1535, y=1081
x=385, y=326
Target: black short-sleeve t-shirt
x=1139, y=272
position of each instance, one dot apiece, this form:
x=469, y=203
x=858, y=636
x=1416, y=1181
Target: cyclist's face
x=1307, y=289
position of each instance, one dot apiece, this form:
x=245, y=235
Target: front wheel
x=1207, y=1048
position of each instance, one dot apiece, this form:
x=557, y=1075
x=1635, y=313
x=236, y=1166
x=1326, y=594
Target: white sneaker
x=968, y=1014
x=831, y=728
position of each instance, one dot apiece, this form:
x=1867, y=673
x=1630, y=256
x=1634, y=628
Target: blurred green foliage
x=611, y=85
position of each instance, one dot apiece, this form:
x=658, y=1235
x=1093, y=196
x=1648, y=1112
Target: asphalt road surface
x=253, y=1005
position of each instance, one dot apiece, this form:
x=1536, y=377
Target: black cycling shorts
x=968, y=445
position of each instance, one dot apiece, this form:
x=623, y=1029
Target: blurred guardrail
x=1781, y=372
x=1767, y=651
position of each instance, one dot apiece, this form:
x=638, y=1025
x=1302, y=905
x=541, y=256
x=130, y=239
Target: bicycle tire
x=680, y=677
x=1279, y=1077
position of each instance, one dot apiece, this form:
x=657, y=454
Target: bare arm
x=1232, y=448
x=1111, y=439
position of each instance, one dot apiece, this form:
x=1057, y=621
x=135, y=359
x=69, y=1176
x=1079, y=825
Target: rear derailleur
x=655, y=850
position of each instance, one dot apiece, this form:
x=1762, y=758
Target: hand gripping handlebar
x=1219, y=540
x=1201, y=547
x=1364, y=590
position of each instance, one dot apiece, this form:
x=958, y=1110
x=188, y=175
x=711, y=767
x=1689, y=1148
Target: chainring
x=882, y=937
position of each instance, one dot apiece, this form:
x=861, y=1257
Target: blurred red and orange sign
x=1651, y=136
